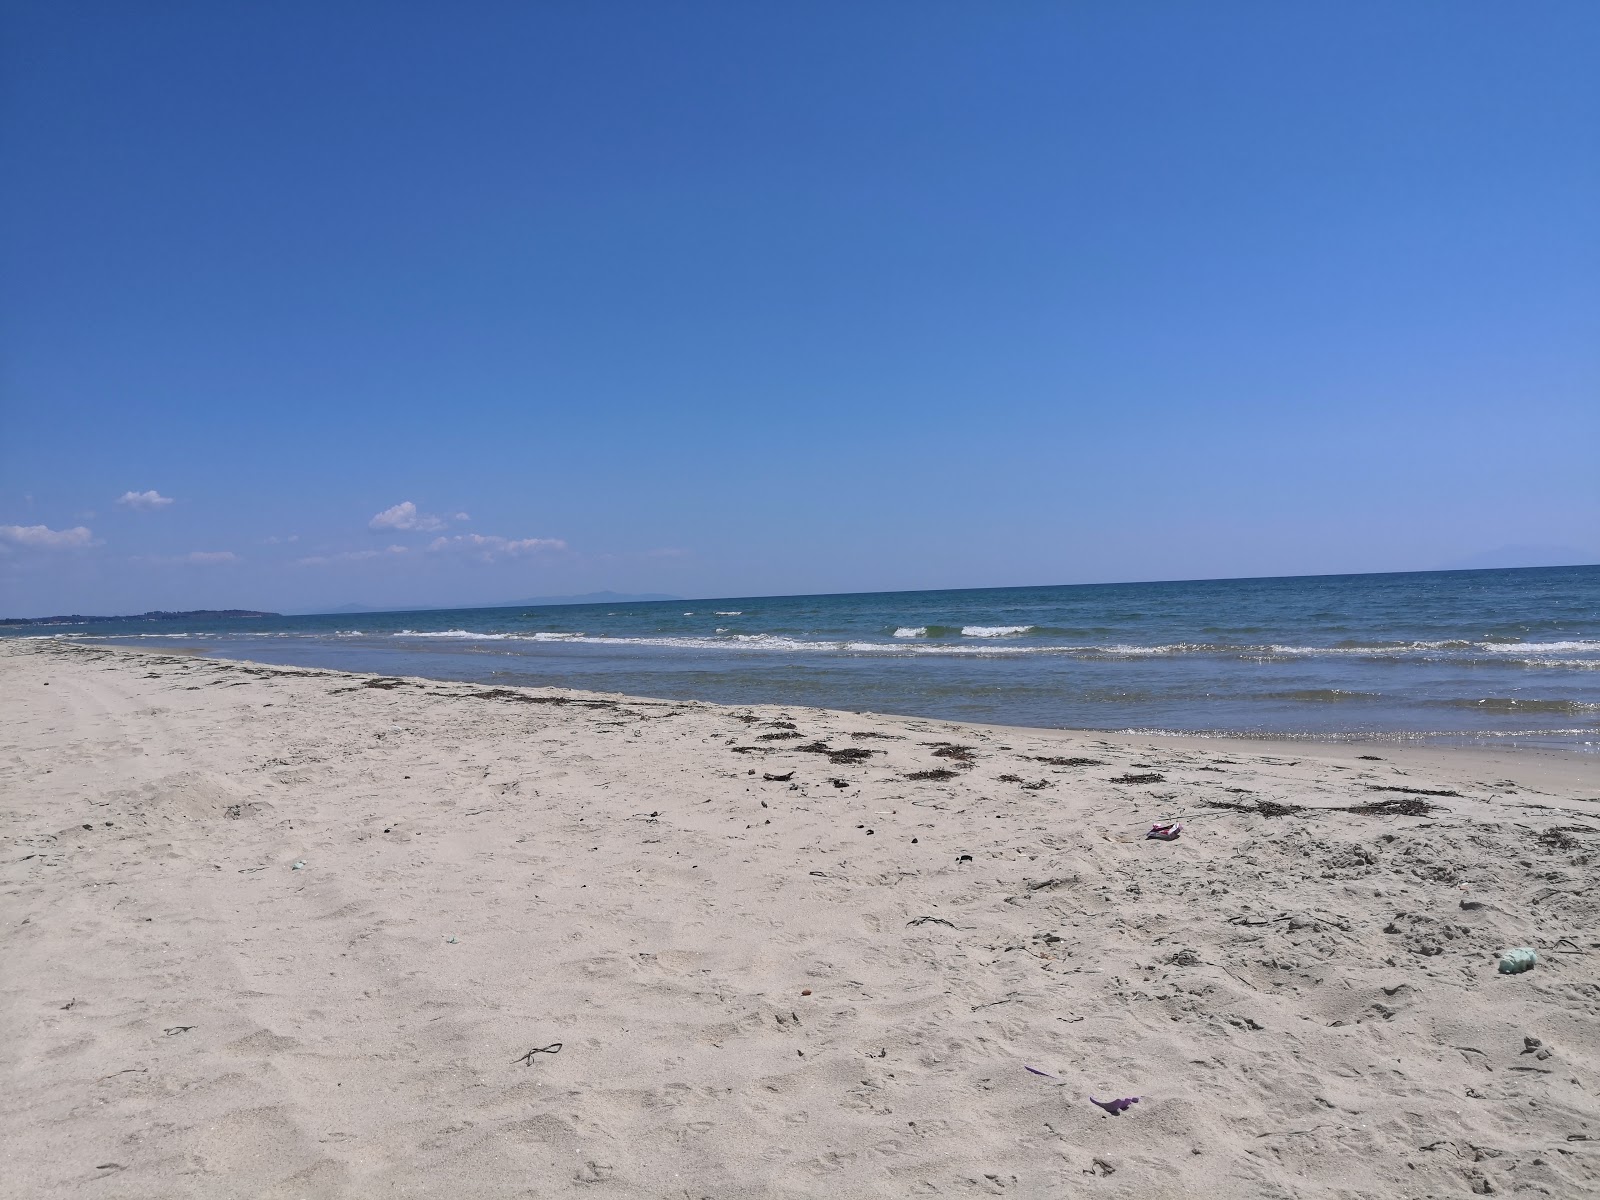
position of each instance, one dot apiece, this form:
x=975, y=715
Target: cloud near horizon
x=44, y=536
x=144, y=501
x=405, y=516
x=322, y=560
x=488, y=547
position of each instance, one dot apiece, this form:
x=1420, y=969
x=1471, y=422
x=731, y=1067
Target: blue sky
x=721, y=299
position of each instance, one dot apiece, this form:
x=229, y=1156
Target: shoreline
x=901, y=970
x=1392, y=740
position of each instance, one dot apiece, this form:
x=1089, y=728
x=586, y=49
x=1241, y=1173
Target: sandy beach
x=281, y=932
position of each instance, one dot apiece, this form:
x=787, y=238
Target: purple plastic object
x=1036, y=1071
x=1115, y=1107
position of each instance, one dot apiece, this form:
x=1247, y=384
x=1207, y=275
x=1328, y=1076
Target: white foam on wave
x=478, y=636
x=1120, y=650
x=907, y=641
x=726, y=614
x=1541, y=647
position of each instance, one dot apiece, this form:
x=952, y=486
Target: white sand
x=1302, y=1002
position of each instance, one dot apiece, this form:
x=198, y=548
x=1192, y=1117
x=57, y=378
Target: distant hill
x=157, y=615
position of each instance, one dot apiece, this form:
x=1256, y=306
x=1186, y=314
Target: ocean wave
x=735, y=613
x=971, y=631
x=1510, y=704
x=486, y=636
x=1321, y=695
x=1579, y=647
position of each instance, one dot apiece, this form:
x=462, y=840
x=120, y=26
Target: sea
x=1493, y=657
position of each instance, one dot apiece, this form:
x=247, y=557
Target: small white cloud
x=44, y=536
x=489, y=546
x=461, y=517
x=405, y=516
x=275, y=540
x=323, y=560
x=145, y=501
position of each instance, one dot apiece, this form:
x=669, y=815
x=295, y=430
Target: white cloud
x=405, y=516
x=461, y=517
x=43, y=535
x=323, y=560
x=275, y=540
x=488, y=547
x=145, y=501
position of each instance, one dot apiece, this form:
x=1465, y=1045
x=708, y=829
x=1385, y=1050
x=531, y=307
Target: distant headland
x=157, y=615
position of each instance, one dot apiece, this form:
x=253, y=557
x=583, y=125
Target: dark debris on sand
x=844, y=757
x=1411, y=791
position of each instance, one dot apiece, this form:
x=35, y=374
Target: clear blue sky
x=752, y=298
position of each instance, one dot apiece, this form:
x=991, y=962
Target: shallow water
x=1490, y=657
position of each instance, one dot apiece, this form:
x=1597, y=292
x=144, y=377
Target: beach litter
x=1115, y=1107
x=1037, y=1071
x=1518, y=960
x=1165, y=832
x=298, y=866
x=527, y=1059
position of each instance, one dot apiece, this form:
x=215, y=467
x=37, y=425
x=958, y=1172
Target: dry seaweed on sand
x=1400, y=806
x=1263, y=808
x=955, y=753
x=844, y=757
x=524, y=698
x=1054, y=760
x=782, y=735
x=938, y=773
x=1140, y=777
x=1559, y=837
x=1411, y=791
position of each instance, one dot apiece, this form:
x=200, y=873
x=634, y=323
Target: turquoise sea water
x=1494, y=657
